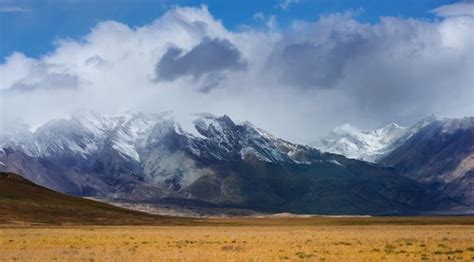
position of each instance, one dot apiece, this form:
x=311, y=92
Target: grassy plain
x=249, y=239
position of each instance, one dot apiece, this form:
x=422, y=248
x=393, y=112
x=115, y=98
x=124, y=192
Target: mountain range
x=434, y=151
x=148, y=158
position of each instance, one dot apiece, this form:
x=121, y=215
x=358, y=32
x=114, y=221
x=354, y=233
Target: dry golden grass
x=239, y=243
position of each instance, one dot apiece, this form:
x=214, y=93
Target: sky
x=42, y=22
x=297, y=68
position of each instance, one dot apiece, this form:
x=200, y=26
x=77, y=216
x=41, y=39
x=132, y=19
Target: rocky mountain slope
x=441, y=153
x=148, y=157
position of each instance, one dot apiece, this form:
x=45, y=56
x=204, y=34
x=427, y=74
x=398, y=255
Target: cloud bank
x=297, y=82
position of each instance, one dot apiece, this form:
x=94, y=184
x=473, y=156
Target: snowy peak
x=358, y=143
x=161, y=130
x=221, y=129
x=61, y=137
x=237, y=140
x=88, y=134
x=371, y=145
x=130, y=132
x=84, y=134
x=94, y=122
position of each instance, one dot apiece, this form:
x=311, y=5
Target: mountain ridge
x=228, y=164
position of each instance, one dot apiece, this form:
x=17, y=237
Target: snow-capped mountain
x=146, y=157
x=433, y=151
x=87, y=133
x=84, y=134
x=368, y=145
x=153, y=145
x=357, y=143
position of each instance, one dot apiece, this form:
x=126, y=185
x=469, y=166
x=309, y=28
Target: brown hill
x=23, y=202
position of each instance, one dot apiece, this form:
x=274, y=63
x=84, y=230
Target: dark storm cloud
x=316, y=65
x=210, y=56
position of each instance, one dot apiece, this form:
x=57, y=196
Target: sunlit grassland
x=239, y=242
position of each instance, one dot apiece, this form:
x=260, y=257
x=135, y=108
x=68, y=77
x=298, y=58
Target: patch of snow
x=131, y=132
x=94, y=122
x=451, y=125
x=126, y=150
x=245, y=151
x=335, y=162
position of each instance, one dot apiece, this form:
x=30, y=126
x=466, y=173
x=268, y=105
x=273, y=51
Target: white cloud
x=297, y=82
x=457, y=9
x=13, y=9
x=285, y=4
x=259, y=16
